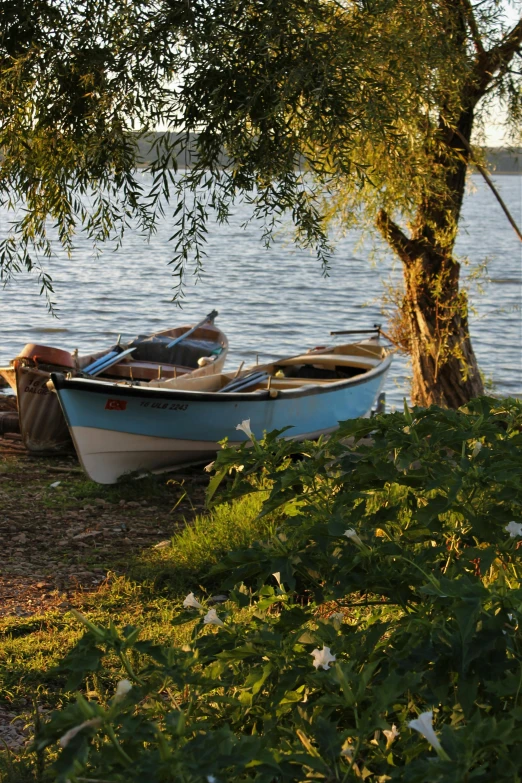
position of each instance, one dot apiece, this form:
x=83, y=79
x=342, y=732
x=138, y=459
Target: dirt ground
x=60, y=534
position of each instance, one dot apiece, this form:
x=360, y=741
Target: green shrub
x=388, y=595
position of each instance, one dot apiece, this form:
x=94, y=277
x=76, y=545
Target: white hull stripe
x=107, y=455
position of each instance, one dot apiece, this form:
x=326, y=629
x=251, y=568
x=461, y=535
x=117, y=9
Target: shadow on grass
x=152, y=489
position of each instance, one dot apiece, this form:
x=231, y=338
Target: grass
x=155, y=490
x=148, y=596
x=73, y=487
x=201, y=544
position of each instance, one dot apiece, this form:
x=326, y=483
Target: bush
x=387, y=599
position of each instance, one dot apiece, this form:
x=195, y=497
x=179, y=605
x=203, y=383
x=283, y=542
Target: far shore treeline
x=500, y=160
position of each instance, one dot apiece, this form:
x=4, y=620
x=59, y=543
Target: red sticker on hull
x=115, y=405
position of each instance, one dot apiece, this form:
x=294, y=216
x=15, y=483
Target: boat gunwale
x=221, y=341
x=128, y=390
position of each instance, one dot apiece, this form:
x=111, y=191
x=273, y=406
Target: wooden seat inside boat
x=296, y=383
x=333, y=359
x=315, y=372
x=147, y=371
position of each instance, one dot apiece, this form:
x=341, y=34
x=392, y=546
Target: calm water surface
x=274, y=301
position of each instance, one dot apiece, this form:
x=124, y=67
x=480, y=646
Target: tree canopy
x=327, y=109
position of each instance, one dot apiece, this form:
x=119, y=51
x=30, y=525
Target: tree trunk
x=432, y=322
x=445, y=370
x=433, y=318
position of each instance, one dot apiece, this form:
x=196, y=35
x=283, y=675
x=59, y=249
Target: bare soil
x=60, y=534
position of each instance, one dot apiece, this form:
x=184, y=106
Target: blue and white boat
x=120, y=427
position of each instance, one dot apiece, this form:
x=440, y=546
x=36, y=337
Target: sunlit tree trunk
x=433, y=318
x=434, y=311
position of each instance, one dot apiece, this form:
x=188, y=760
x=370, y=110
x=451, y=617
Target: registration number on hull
x=165, y=406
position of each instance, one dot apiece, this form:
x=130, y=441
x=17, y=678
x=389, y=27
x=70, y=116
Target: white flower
x=212, y=779
x=245, y=427
x=352, y=535
x=191, y=603
x=277, y=577
x=424, y=725
x=476, y=449
x=391, y=735
x=122, y=688
x=211, y=618
x=322, y=657
x=514, y=529
x=67, y=737
x=208, y=468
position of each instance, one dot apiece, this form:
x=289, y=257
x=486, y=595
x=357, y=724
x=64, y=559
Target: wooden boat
x=144, y=359
x=120, y=428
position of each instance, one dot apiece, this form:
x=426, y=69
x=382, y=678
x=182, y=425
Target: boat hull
x=118, y=430
x=43, y=427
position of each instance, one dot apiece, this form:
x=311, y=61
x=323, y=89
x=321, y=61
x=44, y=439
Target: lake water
x=274, y=301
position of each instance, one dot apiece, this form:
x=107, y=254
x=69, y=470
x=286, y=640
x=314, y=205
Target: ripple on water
x=271, y=302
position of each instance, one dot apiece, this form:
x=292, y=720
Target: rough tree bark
x=435, y=325
x=434, y=313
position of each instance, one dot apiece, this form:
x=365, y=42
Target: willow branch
x=487, y=178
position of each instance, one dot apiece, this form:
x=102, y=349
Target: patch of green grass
x=202, y=544
x=148, y=597
x=31, y=648
x=150, y=488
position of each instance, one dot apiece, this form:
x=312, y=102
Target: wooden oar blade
x=240, y=384
x=208, y=318
x=110, y=360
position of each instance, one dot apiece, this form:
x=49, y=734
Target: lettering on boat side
x=165, y=406
x=115, y=405
x=35, y=390
x=37, y=387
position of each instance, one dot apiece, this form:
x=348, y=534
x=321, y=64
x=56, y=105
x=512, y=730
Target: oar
x=240, y=384
x=110, y=361
x=210, y=317
x=376, y=330
x=94, y=365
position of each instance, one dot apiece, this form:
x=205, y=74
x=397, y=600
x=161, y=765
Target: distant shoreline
x=504, y=161
x=501, y=160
